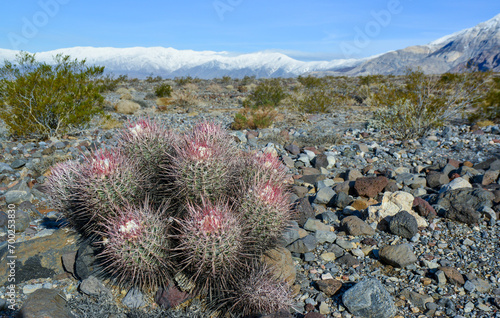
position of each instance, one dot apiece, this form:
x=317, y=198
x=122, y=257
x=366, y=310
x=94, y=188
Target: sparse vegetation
x=41, y=100
x=163, y=90
x=489, y=107
x=423, y=102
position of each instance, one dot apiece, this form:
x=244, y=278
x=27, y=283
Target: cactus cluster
x=163, y=204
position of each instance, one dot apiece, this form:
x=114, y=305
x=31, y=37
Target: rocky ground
x=384, y=228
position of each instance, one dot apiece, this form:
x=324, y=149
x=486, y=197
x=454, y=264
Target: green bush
x=163, y=90
x=489, y=107
x=42, y=100
x=310, y=81
x=269, y=93
x=423, y=102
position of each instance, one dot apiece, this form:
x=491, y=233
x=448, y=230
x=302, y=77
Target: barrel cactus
x=162, y=205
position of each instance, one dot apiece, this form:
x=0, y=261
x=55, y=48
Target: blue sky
x=306, y=30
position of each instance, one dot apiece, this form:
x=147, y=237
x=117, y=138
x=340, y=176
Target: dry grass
x=108, y=122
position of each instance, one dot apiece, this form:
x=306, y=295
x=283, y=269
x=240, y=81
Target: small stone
x=45, y=303
x=354, y=174
x=348, y=260
x=324, y=195
x=441, y=277
x=437, y=179
x=92, y=286
x=293, y=149
x=320, y=161
x=397, y=255
x=329, y=286
x=303, y=245
x=304, y=211
x=355, y=226
x=468, y=307
x=134, y=299
x=18, y=163
x=457, y=183
x=369, y=298
x=325, y=236
x=453, y=275
x=323, y=308
x=28, y=289
x=170, y=297
x=346, y=245
x=314, y=225
x=328, y=257
x=360, y=204
x=341, y=200
x=17, y=196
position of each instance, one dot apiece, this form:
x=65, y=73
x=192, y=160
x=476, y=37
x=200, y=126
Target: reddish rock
x=453, y=275
x=370, y=186
x=454, y=163
x=423, y=208
x=170, y=297
x=329, y=286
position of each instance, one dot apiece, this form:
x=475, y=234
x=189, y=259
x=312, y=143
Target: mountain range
x=479, y=45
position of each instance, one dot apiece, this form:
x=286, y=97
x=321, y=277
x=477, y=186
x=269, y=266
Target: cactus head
x=210, y=243
x=259, y=292
x=134, y=248
x=265, y=167
x=203, y=167
x=265, y=211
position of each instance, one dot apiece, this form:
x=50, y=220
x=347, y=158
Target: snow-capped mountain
x=479, y=45
x=169, y=62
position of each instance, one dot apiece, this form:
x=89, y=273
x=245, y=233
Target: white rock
x=310, y=154
x=458, y=183
x=331, y=161
x=392, y=203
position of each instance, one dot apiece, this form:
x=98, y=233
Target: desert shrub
x=43, y=100
x=268, y=93
x=109, y=83
x=320, y=95
x=488, y=108
x=253, y=118
x=309, y=81
x=163, y=90
x=247, y=80
x=184, y=98
x=181, y=81
x=153, y=79
x=162, y=207
x=423, y=102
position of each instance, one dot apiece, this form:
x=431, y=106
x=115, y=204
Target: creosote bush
x=424, y=102
x=163, y=205
x=163, y=90
x=43, y=100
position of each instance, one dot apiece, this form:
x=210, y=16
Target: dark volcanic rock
x=403, y=224
x=304, y=211
x=320, y=161
x=462, y=204
x=436, y=179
